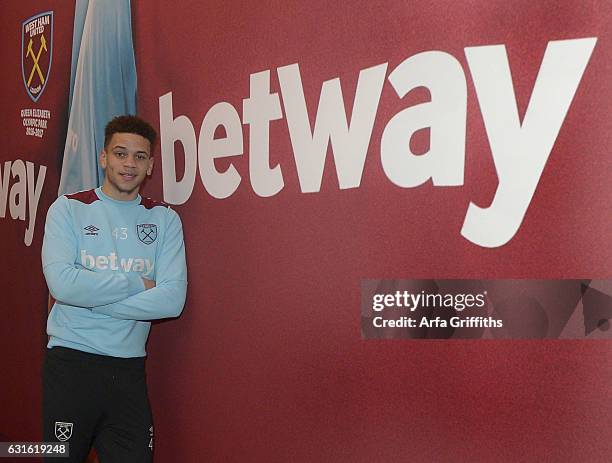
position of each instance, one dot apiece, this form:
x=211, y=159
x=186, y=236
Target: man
x=113, y=261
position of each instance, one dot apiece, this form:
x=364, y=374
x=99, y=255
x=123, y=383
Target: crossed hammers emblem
x=147, y=233
x=35, y=58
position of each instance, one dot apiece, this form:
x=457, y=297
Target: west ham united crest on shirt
x=147, y=232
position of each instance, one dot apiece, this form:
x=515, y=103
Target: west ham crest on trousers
x=147, y=232
x=36, y=52
x=63, y=431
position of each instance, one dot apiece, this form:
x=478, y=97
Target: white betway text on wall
x=23, y=193
x=519, y=150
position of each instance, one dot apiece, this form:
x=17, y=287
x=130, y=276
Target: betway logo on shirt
x=520, y=149
x=112, y=262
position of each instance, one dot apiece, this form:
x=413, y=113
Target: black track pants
x=96, y=400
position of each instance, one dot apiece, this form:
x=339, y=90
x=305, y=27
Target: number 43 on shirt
x=120, y=233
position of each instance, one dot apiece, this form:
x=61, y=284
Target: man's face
x=127, y=161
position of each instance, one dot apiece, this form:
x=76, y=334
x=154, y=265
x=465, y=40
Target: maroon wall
x=267, y=361
x=24, y=295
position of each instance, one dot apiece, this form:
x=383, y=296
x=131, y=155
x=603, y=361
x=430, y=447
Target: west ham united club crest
x=36, y=52
x=147, y=232
x=63, y=431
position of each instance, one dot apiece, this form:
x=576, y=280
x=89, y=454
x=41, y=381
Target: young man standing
x=113, y=261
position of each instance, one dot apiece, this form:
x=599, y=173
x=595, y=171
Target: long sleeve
x=167, y=298
x=69, y=282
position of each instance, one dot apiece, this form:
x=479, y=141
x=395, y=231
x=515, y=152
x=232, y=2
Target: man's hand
x=148, y=283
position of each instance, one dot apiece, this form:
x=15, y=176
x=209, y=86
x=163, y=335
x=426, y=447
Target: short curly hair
x=129, y=124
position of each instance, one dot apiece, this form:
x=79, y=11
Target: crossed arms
x=119, y=295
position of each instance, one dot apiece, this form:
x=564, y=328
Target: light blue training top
x=95, y=252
